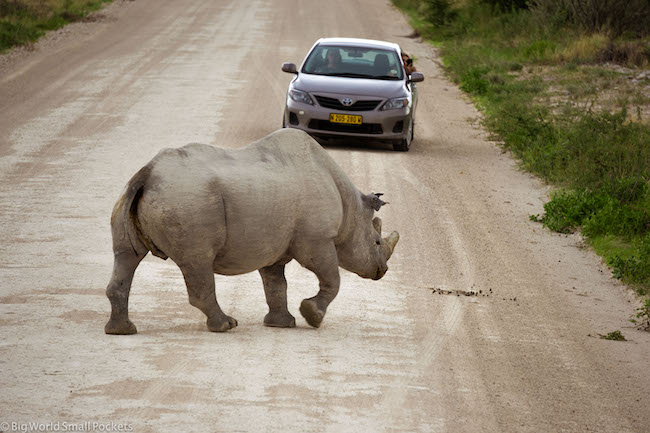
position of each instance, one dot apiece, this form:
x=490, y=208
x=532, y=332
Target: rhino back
x=242, y=207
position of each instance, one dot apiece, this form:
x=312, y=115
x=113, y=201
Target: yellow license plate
x=346, y=118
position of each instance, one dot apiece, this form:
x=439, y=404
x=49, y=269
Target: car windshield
x=354, y=62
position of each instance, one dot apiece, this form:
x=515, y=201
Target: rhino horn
x=391, y=241
x=376, y=223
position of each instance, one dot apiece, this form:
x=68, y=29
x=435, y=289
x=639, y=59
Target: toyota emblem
x=347, y=102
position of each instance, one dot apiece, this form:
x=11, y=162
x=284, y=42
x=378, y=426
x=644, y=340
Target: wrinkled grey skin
x=234, y=211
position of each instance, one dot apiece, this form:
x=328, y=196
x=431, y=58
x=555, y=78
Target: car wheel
x=284, y=121
x=404, y=144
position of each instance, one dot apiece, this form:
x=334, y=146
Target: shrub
x=586, y=49
x=24, y=21
x=634, y=269
x=539, y=50
x=635, y=53
x=568, y=209
x=613, y=16
x=507, y=5
x=439, y=12
x=642, y=316
x=475, y=81
x=17, y=34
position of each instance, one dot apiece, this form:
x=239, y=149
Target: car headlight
x=300, y=96
x=395, y=103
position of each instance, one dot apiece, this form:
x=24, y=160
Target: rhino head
x=365, y=252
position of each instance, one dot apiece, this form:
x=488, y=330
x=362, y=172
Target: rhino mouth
x=380, y=273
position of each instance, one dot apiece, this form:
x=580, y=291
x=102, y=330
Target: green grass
x=24, y=21
x=575, y=122
x=614, y=336
x=642, y=316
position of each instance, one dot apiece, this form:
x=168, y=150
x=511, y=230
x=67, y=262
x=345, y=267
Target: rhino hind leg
x=275, y=289
x=321, y=259
x=119, y=287
x=200, y=290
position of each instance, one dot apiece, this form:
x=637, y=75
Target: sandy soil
x=84, y=110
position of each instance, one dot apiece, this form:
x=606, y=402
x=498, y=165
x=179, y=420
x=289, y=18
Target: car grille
x=364, y=128
x=335, y=104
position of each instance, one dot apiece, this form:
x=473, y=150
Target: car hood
x=350, y=86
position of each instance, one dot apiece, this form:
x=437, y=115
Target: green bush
x=507, y=5
x=614, y=16
x=539, y=50
x=439, y=12
x=567, y=210
x=24, y=21
x=474, y=81
x=634, y=269
x=17, y=33
x=627, y=189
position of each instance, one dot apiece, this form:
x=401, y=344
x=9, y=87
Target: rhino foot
x=280, y=319
x=121, y=327
x=221, y=323
x=312, y=314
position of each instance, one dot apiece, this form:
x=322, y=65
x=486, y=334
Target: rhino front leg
x=321, y=259
x=275, y=289
x=200, y=290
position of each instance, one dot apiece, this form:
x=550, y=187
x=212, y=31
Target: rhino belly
x=252, y=248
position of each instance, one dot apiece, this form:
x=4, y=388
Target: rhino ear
x=373, y=201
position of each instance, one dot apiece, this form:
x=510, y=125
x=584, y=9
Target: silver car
x=355, y=88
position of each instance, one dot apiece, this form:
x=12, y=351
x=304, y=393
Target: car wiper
x=350, y=75
x=372, y=77
x=354, y=75
x=385, y=77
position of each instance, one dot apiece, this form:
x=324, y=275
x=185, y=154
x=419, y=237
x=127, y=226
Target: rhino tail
x=125, y=213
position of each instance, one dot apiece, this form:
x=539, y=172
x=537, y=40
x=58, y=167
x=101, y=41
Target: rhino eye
x=378, y=242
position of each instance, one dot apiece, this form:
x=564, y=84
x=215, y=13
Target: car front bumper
x=390, y=125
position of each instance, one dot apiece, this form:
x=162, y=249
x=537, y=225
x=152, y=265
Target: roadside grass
x=572, y=105
x=642, y=316
x=24, y=21
x=614, y=336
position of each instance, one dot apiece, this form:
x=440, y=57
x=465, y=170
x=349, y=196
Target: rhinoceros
x=234, y=211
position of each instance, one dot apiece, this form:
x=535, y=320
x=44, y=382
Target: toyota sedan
x=353, y=88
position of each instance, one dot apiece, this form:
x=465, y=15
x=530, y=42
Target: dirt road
x=84, y=110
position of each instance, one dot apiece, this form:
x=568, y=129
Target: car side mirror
x=290, y=68
x=416, y=77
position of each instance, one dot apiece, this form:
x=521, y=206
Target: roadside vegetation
x=24, y=21
x=565, y=85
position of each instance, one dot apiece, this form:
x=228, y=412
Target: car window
x=354, y=62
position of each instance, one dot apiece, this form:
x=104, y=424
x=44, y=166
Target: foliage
x=642, y=316
x=507, y=5
x=613, y=16
x=24, y=21
x=614, y=335
x=438, y=12
x=635, y=268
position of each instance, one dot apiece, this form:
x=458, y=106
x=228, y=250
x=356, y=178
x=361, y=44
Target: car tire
x=404, y=144
x=284, y=121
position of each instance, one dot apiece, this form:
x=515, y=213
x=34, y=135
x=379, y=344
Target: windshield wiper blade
x=385, y=77
x=355, y=75
x=372, y=77
x=352, y=75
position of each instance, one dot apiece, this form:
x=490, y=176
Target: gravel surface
x=90, y=104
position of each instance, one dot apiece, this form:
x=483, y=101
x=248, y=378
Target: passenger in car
x=408, y=64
